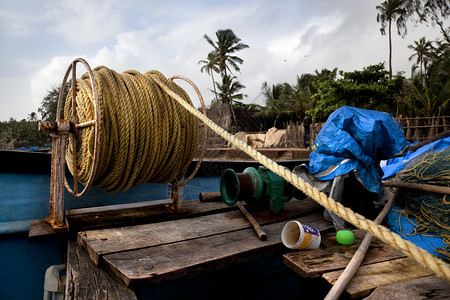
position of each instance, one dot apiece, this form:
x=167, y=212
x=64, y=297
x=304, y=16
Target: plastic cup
x=296, y=235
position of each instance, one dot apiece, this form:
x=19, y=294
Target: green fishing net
x=431, y=211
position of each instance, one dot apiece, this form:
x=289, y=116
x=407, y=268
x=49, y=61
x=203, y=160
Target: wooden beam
x=139, y=213
x=418, y=186
x=85, y=281
x=41, y=230
x=429, y=287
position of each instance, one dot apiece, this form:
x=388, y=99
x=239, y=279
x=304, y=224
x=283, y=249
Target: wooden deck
x=162, y=246
x=381, y=274
x=199, y=241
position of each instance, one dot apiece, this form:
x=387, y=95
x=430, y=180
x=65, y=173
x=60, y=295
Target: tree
x=229, y=90
x=227, y=43
x=431, y=10
x=281, y=102
x=371, y=88
x=50, y=102
x=210, y=66
x=423, y=52
x=400, y=11
x=397, y=11
x=428, y=95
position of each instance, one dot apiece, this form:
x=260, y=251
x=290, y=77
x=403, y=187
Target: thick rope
x=424, y=258
x=146, y=135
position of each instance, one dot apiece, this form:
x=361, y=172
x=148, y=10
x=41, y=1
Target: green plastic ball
x=345, y=237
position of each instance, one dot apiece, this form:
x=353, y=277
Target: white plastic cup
x=296, y=235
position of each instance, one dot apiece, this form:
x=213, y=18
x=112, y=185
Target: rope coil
x=146, y=135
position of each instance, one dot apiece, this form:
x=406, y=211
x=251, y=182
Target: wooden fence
x=422, y=128
x=416, y=129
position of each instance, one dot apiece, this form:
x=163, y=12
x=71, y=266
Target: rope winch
x=122, y=130
x=63, y=128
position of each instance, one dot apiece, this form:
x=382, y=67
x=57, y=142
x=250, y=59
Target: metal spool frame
x=62, y=128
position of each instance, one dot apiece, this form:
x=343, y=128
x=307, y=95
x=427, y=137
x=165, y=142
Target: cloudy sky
x=39, y=40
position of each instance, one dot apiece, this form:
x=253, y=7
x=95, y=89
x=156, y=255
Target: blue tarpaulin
x=405, y=227
x=355, y=139
x=395, y=165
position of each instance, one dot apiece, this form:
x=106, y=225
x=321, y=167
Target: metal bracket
x=61, y=128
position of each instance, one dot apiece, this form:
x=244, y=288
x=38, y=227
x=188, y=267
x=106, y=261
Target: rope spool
x=146, y=135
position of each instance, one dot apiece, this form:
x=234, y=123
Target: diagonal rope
x=424, y=258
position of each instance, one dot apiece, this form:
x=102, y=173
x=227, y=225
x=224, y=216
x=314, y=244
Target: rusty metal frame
x=176, y=187
x=62, y=130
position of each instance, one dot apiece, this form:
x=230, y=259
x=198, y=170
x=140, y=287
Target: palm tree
x=424, y=51
x=304, y=91
x=210, y=66
x=397, y=11
x=281, y=102
x=228, y=90
x=227, y=43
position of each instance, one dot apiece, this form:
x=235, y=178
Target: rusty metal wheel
x=75, y=126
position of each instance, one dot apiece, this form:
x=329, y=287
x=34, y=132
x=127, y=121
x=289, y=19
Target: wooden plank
x=138, y=213
x=106, y=241
x=190, y=258
x=333, y=256
x=371, y=276
x=116, y=207
x=41, y=230
x=85, y=281
x=429, y=287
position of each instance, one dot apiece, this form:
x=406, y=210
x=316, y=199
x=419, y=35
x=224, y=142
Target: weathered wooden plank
x=41, y=230
x=371, y=276
x=138, y=213
x=106, y=241
x=429, y=287
x=85, y=281
x=190, y=258
x=101, y=242
x=116, y=207
x=332, y=256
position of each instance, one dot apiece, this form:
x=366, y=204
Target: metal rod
x=56, y=218
x=210, y=196
x=85, y=124
x=74, y=120
x=176, y=194
x=261, y=234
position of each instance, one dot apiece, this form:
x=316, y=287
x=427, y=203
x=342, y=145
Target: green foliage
x=427, y=93
x=222, y=59
x=229, y=87
x=50, y=102
x=371, y=88
x=23, y=132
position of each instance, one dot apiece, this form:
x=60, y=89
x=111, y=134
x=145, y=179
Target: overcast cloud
x=39, y=40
